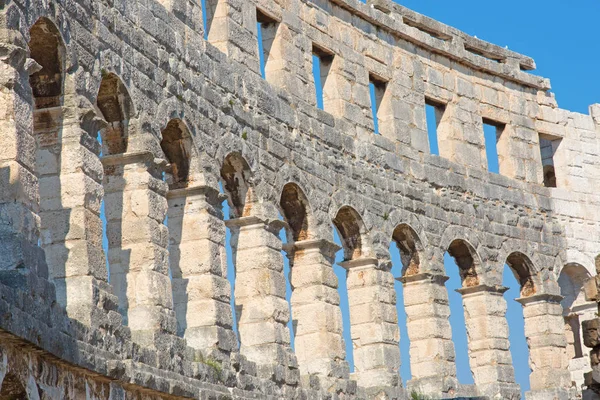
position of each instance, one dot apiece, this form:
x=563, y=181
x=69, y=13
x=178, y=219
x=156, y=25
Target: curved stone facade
x=125, y=117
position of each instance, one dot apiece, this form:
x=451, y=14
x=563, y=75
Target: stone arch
x=571, y=281
x=352, y=232
x=47, y=48
x=237, y=179
x=522, y=268
x=115, y=105
x=177, y=146
x=411, y=249
x=297, y=212
x=467, y=260
x=12, y=388
x=575, y=307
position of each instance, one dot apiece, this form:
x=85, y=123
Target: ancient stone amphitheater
x=132, y=120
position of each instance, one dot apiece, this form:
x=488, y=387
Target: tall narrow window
x=377, y=91
x=266, y=28
x=322, y=62
x=434, y=111
x=548, y=146
x=492, y=131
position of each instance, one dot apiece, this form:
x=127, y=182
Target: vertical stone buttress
x=201, y=291
x=260, y=289
x=317, y=317
x=19, y=195
x=136, y=207
x=231, y=26
x=544, y=329
x=70, y=178
x=489, y=347
x=373, y=323
x=432, y=356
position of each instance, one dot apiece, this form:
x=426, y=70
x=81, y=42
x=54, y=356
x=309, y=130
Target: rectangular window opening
x=492, y=131
x=377, y=88
x=434, y=111
x=322, y=62
x=548, y=146
x=266, y=27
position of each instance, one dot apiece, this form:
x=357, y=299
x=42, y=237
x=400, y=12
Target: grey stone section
x=181, y=116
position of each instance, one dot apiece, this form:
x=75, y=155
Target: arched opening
x=576, y=309
x=405, y=251
x=236, y=176
x=176, y=144
x=296, y=212
x=12, y=388
x=47, y=85
x=348, y=234
x=47, y=49
x=461, y=263
x=116, y=107
x=351, y=229
x=519, y=281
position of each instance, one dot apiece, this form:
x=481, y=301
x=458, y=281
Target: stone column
x=432, y=356
x=318, y=326
x=489, y=347
x=201, y=291
x=70, y=177
x=136, y=207
x=261, y=307
x=19, y=194
x=373, y=323
x=544, y=329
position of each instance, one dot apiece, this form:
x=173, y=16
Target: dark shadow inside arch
x=177, y=146
x=294, y=205
x=47, y=49
x=409, y=245
x=522, y=268
x=12, y=388
x=351, y=228
x=466, y=260
x=236, y=176
x=116, y=107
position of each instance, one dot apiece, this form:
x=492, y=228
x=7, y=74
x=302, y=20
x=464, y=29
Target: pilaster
x=432, y=356
x=489, y=347
x=136, y=207
x=201, y=291
x=374, y=323
x=318, y=326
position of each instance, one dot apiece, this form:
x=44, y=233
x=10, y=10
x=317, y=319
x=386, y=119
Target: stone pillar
x=489, y=347
x=261, y=307
x=19, y=194
x=70, y=178
x=318, y=326
x=544, y=329
x=231, y=26
x=201, y=291
x=373, y=323
x=136, y=207
x=432, y=356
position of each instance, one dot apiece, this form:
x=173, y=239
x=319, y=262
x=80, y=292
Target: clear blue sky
x=561, y=36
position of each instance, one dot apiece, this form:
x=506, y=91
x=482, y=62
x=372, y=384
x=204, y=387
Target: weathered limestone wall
x=180, y=116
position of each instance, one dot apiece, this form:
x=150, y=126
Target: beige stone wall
x=179, y=116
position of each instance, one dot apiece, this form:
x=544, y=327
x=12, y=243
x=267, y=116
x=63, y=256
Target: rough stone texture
x=180, y=117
